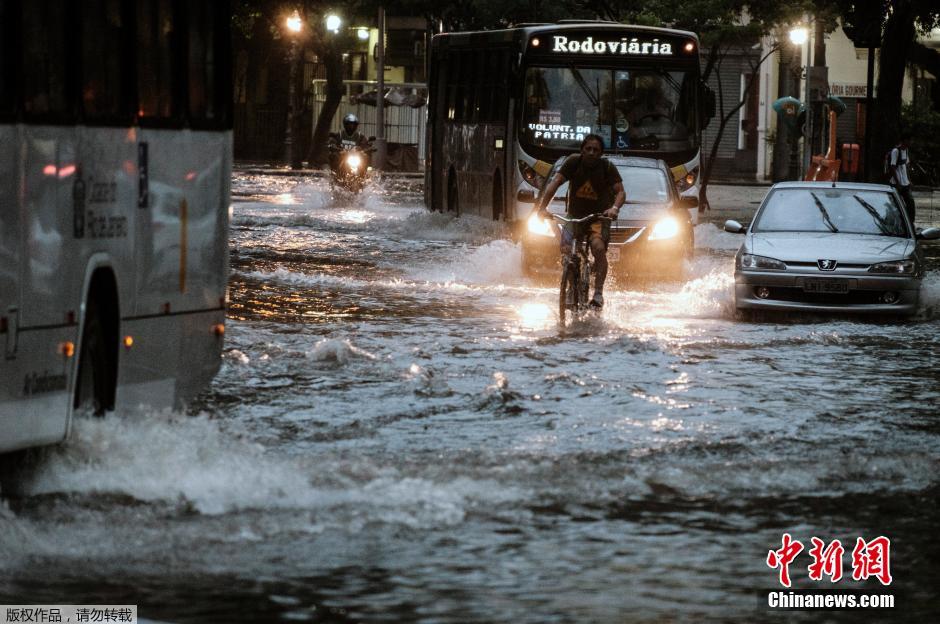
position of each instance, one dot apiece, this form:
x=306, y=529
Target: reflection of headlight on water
x=354, y=161
x=542, y=227
x=666, y=227
x=534, y=315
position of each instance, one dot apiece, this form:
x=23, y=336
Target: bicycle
x=576, y=268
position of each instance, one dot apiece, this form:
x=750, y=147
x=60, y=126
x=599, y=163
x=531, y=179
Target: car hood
x=630, y=214
x=812, y=246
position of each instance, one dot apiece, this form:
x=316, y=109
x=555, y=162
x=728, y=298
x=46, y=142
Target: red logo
x=872, y=559
x=782, y=558
x=869, y=559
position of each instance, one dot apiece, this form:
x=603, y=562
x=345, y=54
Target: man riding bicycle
x=593, y=185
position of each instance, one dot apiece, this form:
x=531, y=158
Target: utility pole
x=381, y=149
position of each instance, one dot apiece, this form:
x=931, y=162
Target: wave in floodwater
x=191, y=462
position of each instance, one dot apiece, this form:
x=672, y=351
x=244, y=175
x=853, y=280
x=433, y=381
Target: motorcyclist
x=348, y=138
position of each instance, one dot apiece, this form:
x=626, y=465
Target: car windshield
x=831, y=210
x=636, y=109
x=644, y=185
x=641, y=185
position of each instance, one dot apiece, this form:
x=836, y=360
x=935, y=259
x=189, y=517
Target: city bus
x=504, y=105
x=115, y=166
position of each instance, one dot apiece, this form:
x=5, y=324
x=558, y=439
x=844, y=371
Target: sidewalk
x=740, y=202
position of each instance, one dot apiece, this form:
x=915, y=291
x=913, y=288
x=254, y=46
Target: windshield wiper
x=825, y=214
x=880, y=221
x=579, y=78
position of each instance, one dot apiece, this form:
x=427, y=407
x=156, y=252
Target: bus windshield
x=638, y=109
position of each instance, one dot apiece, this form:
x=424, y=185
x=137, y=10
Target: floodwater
x=401, y=432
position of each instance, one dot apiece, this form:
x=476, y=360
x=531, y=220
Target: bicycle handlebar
x=587, y=219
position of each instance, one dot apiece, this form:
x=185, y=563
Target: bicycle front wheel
x=584, y=283
x=567, y=292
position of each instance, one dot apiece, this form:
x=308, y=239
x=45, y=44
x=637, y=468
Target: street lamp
x=294, y=26
x=333, y=22
x=799, y=36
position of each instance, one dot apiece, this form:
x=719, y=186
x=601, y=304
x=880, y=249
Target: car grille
x=622, y=235
x=853, y=297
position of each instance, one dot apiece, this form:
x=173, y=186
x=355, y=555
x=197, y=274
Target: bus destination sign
x=616, y=47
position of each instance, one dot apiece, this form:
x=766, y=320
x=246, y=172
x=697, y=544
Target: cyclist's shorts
x=597, y=228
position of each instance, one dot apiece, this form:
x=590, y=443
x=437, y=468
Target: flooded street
x=400, y=431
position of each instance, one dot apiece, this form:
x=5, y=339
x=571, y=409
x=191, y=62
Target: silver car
x=831, y=247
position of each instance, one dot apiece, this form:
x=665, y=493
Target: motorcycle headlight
x=688, y=180
x=898, y=267
x=748, y=261
x=667, y=227
x=354, y=161
x=541, y=227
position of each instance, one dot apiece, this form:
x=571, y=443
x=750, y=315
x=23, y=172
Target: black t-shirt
x=590, y=190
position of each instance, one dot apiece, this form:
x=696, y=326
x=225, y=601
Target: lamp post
x=799, y=36
x=294, y=26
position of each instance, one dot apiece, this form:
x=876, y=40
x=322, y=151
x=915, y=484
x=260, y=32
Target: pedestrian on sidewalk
x=899, y=172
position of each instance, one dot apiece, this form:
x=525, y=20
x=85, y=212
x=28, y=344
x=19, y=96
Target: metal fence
x=403, y=124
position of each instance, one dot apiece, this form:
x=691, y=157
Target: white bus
x=504, y=105
x=115, y=163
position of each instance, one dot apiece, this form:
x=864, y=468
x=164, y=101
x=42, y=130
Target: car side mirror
x=526, y=195
x=734, y=227
x=931, y=233
x=688, y=202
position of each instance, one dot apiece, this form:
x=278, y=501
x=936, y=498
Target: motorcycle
x=351, y=168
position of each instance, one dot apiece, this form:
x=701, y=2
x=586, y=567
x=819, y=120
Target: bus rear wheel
x=94, y=375
x=497, y=198
x=452, y=205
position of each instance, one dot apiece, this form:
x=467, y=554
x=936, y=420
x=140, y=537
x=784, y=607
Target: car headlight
x=542, y=227
x=667, y=227
x=898, y=267
x=688, y=180
x=354, y=160
x=530, y=175
x=749, y=261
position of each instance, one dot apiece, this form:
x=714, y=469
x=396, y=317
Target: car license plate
x=613, y=254
x=828, y=286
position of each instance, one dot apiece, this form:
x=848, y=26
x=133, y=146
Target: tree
x=723, y=26
x=897, y=22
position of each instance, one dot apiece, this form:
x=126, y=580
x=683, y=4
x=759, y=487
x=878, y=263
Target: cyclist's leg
x=599, y=251
x=566, y=239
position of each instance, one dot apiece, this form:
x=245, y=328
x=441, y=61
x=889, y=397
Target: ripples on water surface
x=400, y=431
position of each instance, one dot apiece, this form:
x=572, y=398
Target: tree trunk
x=895, y=48
x=724, y=118
x=333, y=61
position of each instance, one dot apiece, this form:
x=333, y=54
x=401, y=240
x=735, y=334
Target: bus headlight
x=354, y=161
x=667, y=227
x=688, y=180
x=530, y=175
x=542, y=227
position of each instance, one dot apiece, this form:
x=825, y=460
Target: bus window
x=103, y=75
x=203, y=95
x=156, y=75
x=45, y=59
